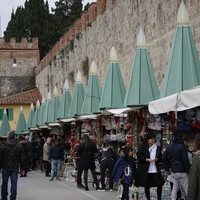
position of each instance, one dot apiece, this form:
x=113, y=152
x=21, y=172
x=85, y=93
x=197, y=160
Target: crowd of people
x=123, y=168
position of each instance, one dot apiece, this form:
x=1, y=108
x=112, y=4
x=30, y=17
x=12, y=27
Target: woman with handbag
x=124, y=171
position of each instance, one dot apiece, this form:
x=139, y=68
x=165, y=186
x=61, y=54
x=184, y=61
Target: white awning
x=117, y=111
x=177, y=102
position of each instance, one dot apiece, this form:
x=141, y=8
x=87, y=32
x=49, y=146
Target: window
x=9, y=112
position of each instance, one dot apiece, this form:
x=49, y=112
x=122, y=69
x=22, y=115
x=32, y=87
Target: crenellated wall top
x=23, y=44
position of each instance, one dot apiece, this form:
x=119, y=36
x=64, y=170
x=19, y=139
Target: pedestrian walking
x=88, y=151
x=107, y=162
x=148, y=172
x=12, y=158
x=27, y=153
x=176, y=162
x=34, y=154
x=124, y=171
x=79, y=167
x=46, y=151
x=56, y=157
x=194, y=179
x=40, y=154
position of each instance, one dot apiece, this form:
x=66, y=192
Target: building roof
x=27, y=97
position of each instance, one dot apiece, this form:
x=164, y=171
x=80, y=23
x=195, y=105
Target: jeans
x=13, y=174
x=180, y=181
x=55, y=166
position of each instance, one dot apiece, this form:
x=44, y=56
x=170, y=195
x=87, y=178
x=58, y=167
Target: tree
x=35, y=20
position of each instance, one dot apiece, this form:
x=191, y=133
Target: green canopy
x=35, y=117
x=21, y=123
x=78, y=97
x=142, y=87
x=114, y=89
x=30, y=118
x=40, y=121
x=65, y=102
x=183, y=70
x=55, y=104
x=46, y=111
x=93, y=93
x=5, y=125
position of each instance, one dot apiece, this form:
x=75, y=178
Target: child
x=124, y=171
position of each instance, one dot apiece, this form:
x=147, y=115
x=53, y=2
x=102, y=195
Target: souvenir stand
x=179, y=112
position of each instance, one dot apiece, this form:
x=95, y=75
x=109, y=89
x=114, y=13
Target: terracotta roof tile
x=27, y=97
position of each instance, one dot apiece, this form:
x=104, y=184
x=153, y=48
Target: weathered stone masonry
x=26, y=55
x=115, y=23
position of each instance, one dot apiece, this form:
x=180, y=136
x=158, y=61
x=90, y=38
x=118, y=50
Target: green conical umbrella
x=93, y=93
x=78, y=97
x=5, y=125
x=47, y=111
x=36, y=117
x=114, y=90
x=65, y=102
x=21, y=123
x=41, y=114
x=183, y=70
x=55, y=104
x=142, y=87
x=30, y=117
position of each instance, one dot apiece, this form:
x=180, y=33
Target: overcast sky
x=7, y=6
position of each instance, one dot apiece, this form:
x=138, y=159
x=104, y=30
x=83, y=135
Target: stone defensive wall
x=115, y=23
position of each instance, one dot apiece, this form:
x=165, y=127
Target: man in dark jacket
x=11, y=156
x=176, y=162
x=56, y=157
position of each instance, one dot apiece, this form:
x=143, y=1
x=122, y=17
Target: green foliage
x=35, y=20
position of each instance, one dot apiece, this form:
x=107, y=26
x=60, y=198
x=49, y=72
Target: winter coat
x=46, y=151
x=40, y=149
x=56, y=153
x=119, y=171
x=27, y=150
x=12, y=155
x=34, y=150
x=143, y=166
x=194, y=179
x=107, y=153
x=175, y=157
x=87, y=155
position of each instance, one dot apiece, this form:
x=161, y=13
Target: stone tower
x=17, y=65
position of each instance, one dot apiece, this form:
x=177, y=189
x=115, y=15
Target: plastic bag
x=120, y=191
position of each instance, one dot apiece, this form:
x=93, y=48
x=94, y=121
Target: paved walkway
x=38, y=187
